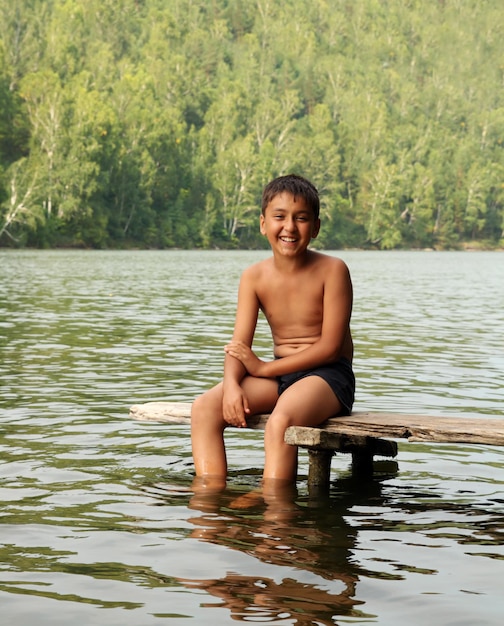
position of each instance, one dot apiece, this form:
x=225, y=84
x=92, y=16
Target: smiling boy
x=306, y=298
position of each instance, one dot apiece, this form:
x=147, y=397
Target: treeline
x=156, y=123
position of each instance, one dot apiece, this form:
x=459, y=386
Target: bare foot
x=247, y=500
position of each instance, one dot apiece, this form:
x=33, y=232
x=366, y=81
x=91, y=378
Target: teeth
x=288, y=239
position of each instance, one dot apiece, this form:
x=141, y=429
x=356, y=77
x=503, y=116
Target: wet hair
x=295, y=185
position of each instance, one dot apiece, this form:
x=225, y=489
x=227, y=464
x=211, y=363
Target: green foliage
x=155, y=124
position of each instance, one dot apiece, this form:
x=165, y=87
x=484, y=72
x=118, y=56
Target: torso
x=296, y=317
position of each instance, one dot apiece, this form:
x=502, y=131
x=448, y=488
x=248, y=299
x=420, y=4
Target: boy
x=306, y=298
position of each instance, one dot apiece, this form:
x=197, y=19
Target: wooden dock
x=364, y=435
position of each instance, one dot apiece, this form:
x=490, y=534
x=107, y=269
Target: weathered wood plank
x=488, y=431
x=179, y=413
x=171, y=412
x=321, y=439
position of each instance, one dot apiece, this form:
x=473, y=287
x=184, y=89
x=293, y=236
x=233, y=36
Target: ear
x=261, y=225
x=316, y=229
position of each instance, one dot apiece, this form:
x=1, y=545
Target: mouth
x=288, y=239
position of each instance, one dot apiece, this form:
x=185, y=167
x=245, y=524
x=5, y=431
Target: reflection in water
x=317, y=548
x=308, y=540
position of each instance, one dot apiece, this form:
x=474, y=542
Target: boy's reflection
x=272, y=527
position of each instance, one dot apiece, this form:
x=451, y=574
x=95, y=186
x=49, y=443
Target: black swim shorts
x=338, y=375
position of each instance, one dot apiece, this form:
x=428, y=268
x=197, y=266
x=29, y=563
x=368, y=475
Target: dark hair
x=295, y=185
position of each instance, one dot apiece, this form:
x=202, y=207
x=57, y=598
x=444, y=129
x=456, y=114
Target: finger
x=246, y=407
x=233, y=418
x=235, y=353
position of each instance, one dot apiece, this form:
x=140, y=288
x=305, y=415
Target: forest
x=156, y=123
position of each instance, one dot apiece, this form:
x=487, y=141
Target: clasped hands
x=242, y=352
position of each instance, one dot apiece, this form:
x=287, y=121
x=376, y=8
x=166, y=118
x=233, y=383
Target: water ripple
x=99, y=522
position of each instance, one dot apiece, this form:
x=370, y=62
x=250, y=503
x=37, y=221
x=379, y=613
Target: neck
x=291, y=264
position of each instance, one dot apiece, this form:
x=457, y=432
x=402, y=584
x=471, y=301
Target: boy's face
x=289, y=224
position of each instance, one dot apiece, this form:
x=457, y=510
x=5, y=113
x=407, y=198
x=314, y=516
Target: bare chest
x=292, y=303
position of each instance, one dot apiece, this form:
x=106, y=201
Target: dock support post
x=362, y=462
x=319, y=469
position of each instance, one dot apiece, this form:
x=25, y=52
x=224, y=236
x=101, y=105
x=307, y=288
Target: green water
x=98, y=522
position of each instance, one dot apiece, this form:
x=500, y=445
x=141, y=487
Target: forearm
x=234, y=371
x=317, y=354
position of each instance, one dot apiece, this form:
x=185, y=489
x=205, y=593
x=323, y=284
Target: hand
x=243, y=353
x=235, y=407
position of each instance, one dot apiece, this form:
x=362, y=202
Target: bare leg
x=207, y=434
x=207, y=423
x=308, y=402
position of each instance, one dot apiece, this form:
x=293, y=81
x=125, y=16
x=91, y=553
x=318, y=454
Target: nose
x=289, y=224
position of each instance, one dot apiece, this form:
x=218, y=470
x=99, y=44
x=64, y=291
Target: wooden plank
x=487, y=431
x=170, y=412
x=321, y=439
x=179, y=413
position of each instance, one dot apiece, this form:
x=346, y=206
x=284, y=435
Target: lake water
x=98, y=522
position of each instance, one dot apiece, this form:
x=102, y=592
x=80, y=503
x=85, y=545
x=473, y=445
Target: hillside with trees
x=156, y=123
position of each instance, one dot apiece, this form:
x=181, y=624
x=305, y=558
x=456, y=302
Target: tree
x=19, y=210
x=157, y=124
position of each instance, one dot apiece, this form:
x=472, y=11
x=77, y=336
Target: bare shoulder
x=331, y=264
x=257, y=271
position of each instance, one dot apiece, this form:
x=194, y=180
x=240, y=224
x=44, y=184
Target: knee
x=206, y=409
x=199, y=408
x=277, y=424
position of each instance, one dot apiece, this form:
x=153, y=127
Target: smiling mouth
x=288, y=239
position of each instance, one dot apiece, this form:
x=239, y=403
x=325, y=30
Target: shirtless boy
x=306, y=298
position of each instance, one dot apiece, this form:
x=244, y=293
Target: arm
x=337, y=310
x=235, y=403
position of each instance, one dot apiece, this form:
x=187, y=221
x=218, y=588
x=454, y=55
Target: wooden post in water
x=319, y=469
x=362, y=462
